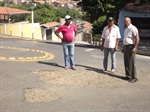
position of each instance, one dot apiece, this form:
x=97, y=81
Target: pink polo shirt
x=68, y=33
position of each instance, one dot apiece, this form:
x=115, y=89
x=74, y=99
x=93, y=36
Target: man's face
x=110, y=23
x=127, y=22
x=68, y=21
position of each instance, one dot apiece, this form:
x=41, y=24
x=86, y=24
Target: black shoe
x=73, y=68
x=132, y=80
x=125, y=78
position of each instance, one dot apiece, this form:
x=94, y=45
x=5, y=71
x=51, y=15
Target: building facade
x=140, y=17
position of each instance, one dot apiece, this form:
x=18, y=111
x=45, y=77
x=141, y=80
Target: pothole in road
x=79, y=78
x=62, y=78
x=35, y=95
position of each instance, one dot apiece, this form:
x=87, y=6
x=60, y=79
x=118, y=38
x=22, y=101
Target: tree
x=98, y=26
x=94, y=9
x=3, y=3
x=60, y=12
x=44, y=15
x=75, y=14
x=18, y=17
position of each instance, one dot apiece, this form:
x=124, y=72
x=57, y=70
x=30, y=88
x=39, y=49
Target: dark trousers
x=129, y=62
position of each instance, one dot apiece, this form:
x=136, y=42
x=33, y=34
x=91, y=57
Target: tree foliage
x=97, y=11
x=44, y=15
x=100, y=22
x=94, y=9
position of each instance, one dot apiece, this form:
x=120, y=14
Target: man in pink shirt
x=69, y=32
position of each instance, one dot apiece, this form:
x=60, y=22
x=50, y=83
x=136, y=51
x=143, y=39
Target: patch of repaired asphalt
x=79, y=78
x=35, y=95
x=63, y=78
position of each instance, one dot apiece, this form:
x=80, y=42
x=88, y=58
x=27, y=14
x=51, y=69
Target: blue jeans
x=68, y=49
x=113, y=58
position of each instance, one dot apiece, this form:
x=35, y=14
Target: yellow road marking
x=2, y=58
x=46, y=55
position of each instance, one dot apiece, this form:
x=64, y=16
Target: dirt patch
x=62, y=78
x=80, y=78
x=34, y=95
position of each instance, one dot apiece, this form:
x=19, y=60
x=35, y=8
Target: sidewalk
x=143, y=47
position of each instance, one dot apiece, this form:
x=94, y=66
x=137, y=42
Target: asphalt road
x=28, y=81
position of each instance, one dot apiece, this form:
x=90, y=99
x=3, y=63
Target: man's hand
x=74, y=39
x=122, y=50
x=134, y=50
x=102, y=48
x=61, y=39
x=116, y=48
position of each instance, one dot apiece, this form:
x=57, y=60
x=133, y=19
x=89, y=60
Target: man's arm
x=137, y=39
x=103, y=40
x=102, y=47
x=117, y=42
x=57, y=34
x=75, y=34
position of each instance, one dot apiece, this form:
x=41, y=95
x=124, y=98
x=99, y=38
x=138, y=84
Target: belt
x=67, y=42
x=129, y=45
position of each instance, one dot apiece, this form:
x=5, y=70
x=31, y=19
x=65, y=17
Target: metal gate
x=49, y=34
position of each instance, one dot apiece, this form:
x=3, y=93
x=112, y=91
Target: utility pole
x=32, y=15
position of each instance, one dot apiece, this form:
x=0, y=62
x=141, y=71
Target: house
x=20, y=29
x=6, y=13
x=18, y=1
x=48, y=31
x=57, y=4
x=39, y=1
x=140, y=17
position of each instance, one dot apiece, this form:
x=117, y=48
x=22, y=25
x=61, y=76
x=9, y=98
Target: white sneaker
x=104, y=70
x=113, y=70
x=66, y=67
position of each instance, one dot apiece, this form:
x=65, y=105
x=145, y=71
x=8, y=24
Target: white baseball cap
x=68, y=17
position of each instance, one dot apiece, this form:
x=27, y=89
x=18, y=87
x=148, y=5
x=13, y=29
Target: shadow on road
x=76, y=44
x=51, y=64
x=88, y=68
